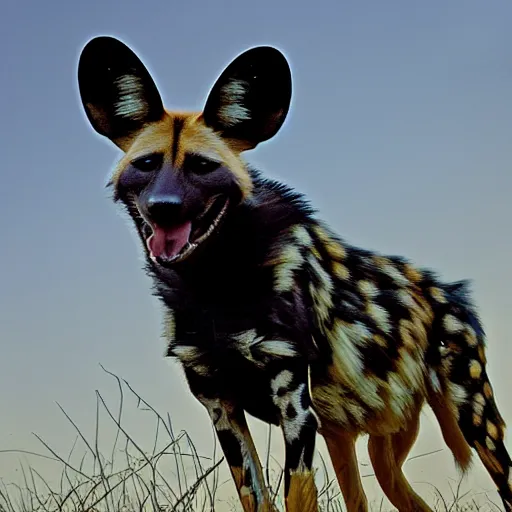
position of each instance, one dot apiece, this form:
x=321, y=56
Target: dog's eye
x=200, y=165
x=149, y=163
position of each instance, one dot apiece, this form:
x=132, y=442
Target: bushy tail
x=461, y=395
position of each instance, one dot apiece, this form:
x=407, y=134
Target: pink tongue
x=169, y=242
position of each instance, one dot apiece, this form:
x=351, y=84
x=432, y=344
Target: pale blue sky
x=400, y=131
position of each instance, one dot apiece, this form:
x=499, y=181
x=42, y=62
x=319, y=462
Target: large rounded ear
x=117, y=91
x=250, y=100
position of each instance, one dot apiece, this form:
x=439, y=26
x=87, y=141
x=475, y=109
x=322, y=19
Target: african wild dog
x=269, y=311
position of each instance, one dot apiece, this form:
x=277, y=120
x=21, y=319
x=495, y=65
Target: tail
x=461, y=394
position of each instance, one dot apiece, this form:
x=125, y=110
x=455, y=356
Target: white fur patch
x=406, y=299
x=322, y=293
x=233, y=110
x=478, y=404
x=411, y=371
x=344, y=340
x=245, y=341
x=131, y=103
x=458, y=394
x=434, y=379
x=401, y=397
x=395, y=274
x=248, y=341
x=301, y=234
x=380, y=316
x=187, y=354
x=452, y=324
x=292, y=427
x=282, y=380
x=368, y=288
x=277, y=348
x=292, y=260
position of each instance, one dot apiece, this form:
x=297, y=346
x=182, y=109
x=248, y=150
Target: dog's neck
x=236, y=255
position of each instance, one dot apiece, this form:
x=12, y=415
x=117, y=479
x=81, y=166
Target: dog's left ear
x=250, y=100
x=118, y=94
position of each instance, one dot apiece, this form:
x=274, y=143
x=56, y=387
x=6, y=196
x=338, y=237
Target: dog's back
x=393, y=336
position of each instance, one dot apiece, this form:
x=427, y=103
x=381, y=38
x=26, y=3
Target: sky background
x=400, y=132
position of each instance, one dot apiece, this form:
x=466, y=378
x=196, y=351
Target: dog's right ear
x=118, y=94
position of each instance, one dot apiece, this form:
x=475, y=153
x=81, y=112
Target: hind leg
x=387, y=454
x=404, y=440
x=342, y=450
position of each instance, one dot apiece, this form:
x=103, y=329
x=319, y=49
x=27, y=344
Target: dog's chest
x=230, y=354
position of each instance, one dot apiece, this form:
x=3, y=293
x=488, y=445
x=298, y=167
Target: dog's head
x=181, y=173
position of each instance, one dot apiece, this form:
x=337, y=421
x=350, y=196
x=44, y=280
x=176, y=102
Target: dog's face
x=181, y=173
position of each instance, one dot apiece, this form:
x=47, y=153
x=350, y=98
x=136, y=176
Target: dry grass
x=168, y=476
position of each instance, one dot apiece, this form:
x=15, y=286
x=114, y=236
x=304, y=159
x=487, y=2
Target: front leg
x=290, y=392
x=238, y=447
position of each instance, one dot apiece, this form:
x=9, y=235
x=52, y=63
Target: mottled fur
x=275, y=314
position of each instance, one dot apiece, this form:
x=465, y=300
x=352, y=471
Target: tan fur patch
x=335, y=250
x=195, y=137
x=475, y=369
x=472, y=340
x=489, y=459
x=450, y=429
x=412, y=273
x=340, y=271
x=438, y=295
x=492, y=430
x=481, y=355
x=302, y=495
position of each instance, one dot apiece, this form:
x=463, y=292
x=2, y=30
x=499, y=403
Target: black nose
x=164, y=210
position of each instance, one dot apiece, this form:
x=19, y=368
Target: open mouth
x=172, y=244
